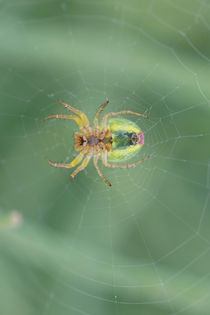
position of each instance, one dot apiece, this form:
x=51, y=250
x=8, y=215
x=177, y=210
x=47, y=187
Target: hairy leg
x=104, y=158
x=73, y=117
x=76, y=161
x=112, y=165
x=83, y=117
x=95, y=162
x=95, y=121
x=82, y=166
x=122, y=112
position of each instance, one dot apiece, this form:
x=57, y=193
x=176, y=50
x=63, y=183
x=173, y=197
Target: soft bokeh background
x=143, y=245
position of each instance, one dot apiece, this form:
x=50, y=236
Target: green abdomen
x=122, y=147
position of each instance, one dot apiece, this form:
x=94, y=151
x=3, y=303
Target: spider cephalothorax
x=114, y=140
x=92, y=141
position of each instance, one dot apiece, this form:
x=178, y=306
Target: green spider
x=115, y=140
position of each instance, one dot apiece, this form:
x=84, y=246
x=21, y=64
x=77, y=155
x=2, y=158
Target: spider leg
x=95, y=121
x=112, y=165
x=95, y=162
x=83, y=117
x=82, y=166
x=76, y=161
x=73, y=117
x=122, y=112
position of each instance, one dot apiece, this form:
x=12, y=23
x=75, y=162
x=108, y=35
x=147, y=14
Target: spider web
x=141, y=247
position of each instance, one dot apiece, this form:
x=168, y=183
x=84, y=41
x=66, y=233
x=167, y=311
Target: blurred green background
x=143, y=245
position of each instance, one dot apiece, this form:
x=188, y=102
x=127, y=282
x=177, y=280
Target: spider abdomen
x=127, y=139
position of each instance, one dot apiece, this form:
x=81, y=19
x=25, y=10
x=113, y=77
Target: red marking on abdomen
x=141, y=138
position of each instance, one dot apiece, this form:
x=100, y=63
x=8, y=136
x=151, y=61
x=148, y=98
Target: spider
x=116, y=139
